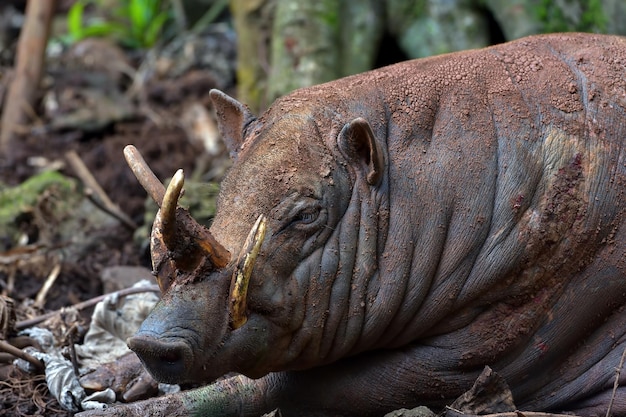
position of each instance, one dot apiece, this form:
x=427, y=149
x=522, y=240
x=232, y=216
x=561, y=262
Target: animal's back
x=517, y=155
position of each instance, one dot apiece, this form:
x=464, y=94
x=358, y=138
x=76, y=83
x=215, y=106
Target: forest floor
x=96, y=99
x=92, y=109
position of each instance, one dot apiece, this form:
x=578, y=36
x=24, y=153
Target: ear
x=358, y=144
x=232, y=118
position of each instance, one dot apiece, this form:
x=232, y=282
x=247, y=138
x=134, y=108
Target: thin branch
x=52, y=277
x=85, y=304
x=618, y=370
x=9, y=348
x=94, y=192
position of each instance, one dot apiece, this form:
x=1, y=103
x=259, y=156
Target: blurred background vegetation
x=80, y=79
x=286, y=44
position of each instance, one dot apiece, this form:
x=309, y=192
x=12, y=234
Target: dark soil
x=166, y=147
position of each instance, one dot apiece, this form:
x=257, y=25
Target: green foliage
x=593, y=18
x=552, y=15
x=133, y=23
x=17, y=200
x=329, y=14
x=26, y=194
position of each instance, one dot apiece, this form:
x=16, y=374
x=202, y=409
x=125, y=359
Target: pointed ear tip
x=214, y=93
x=361, y=122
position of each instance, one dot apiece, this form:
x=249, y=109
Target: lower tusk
x=243, y=271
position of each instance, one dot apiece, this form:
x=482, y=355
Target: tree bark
x=361, y=30
x=305, y=41
x=252, y=20
x=29, y=66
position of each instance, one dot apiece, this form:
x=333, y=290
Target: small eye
x=307, y=216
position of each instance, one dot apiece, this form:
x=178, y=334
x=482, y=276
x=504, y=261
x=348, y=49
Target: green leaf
x=100, y=29
x=120, y=11
x=151, y=35
x=142, y=12
x=75, y=20
x=134, y=23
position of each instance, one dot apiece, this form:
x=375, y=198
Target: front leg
x=370, y=384
x=235, y=396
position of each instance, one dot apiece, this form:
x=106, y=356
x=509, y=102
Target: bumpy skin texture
x=424, y=220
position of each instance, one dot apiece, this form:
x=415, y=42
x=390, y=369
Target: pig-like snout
x=168, y=361
x=183, y=329
x=203, y=301
x=164, y=340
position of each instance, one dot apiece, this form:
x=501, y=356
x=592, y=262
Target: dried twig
x=450, y=412
x=85, y=304
x=7, y=347
x=40, y=299
x=22, y=257
x=94, y=192
x=618, y=370
x=74, y=359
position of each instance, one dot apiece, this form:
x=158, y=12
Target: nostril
x=170, y=357
x=168, y=361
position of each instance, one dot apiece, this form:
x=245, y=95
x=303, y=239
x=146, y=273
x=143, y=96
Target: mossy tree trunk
x=361, y=29
x=304, y=45
x=288, y=44
x=311, y=42
x=253, y=20
x=318, y=41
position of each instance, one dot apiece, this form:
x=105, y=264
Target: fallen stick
x=9, y=348
x=40, y=299
x=618, y=370
x=94, y=191
x=85, y=304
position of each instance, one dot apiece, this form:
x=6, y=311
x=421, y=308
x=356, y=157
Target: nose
x=167, y=361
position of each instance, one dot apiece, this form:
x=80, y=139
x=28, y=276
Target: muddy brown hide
x=420, y=221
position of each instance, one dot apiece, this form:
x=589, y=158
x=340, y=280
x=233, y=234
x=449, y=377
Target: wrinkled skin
x=424, y=220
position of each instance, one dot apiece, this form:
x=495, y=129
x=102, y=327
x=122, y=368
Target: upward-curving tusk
x=243, y=271
x=168, y=209
x=144, y=174
x=178, y=243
